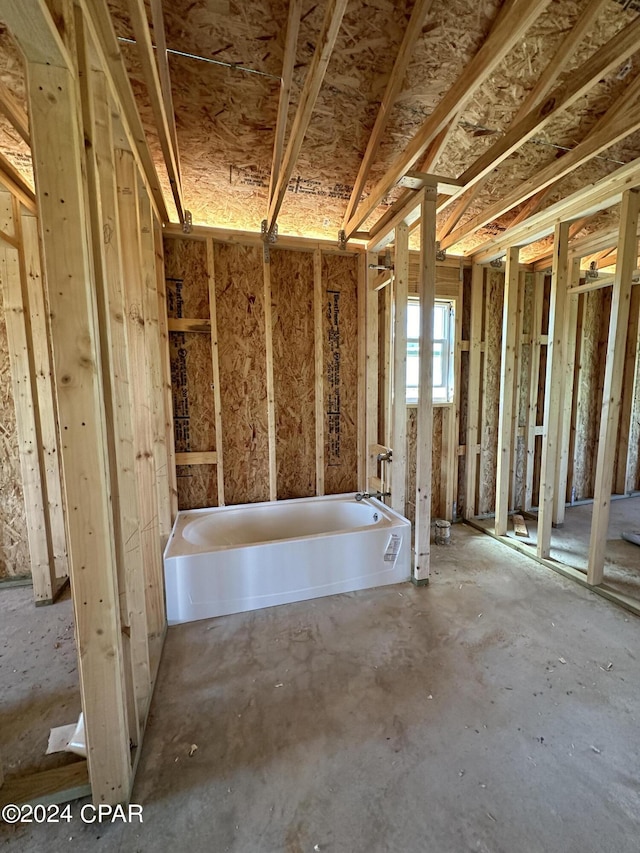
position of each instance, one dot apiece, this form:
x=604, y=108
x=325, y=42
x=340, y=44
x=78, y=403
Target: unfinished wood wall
x=235, y=273
x=14, y=548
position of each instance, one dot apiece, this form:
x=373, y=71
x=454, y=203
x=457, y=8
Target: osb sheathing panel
x=226, y=116
x=592, y=357
x=185, y=266
x=197, y=486
x=243, y=382
x=192, y=387
x=340, y=348
x=292, y=290
x=14, y=548
x=436, y=457
x=494, y=288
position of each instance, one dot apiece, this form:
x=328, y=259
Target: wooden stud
x=16, y=312
x=362, y=369
x=99, y=26
x=630, y=412
x=198, y=457
x=27, y=226
x=473, y=391
x=154, y=358
x=515, y=502
x=399, y=388
x=164, y=326
x=215, y=362
x=566, y=396
x=534, y=378
x=372, y=373
x=271, y=402
x=427, y=292
x=318, y=326
x=507, y=380
x=140, y=387
x=611, y=395
x=553, y=387
x=105, y=243
x=58, y=154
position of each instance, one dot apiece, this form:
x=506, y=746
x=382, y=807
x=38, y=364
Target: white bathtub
x=238, y=558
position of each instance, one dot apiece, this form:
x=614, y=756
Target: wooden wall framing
x=285, y=369
x=105, y=340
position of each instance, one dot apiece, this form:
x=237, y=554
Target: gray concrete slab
x=495, y=710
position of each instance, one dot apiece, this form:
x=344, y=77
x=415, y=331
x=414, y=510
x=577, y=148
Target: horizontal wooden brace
x=182, y=324
x=197, y=457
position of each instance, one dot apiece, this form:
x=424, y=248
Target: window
x=443, y=339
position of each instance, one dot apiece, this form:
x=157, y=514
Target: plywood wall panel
x=294, y=372
x=339, y=282
x=243, y=385
x=14, y=547
x=185, y=264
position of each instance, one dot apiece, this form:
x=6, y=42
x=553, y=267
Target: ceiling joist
x=591, y=199
x=157, y=19
x=12, y=110
x=609, y=57
x=514, y=19
x=291, y=42
x=140, y=25
x=419, y=12
x=311, y=89
x=622, y=119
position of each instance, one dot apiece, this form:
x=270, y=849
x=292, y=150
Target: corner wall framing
x=96, y=224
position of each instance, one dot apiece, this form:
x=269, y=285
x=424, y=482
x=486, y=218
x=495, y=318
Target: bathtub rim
x=391, y=516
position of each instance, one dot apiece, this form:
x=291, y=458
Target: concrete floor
x=495, y=711
x=570, y=543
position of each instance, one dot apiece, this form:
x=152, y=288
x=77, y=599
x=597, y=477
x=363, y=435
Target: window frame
x=449, y=348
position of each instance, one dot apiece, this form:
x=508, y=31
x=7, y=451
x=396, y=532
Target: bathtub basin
x=238, y=558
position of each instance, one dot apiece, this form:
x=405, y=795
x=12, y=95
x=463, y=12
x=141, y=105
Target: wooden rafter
x=140, y=25
x=591, y=199
x=157, y=19
x=103, y=38
x=308, y=97
x=17, y=117
x=513, y=21
x=621, y=120
x=536, y=113
x=293, y=25
x=396, y=79
x=16, y=184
